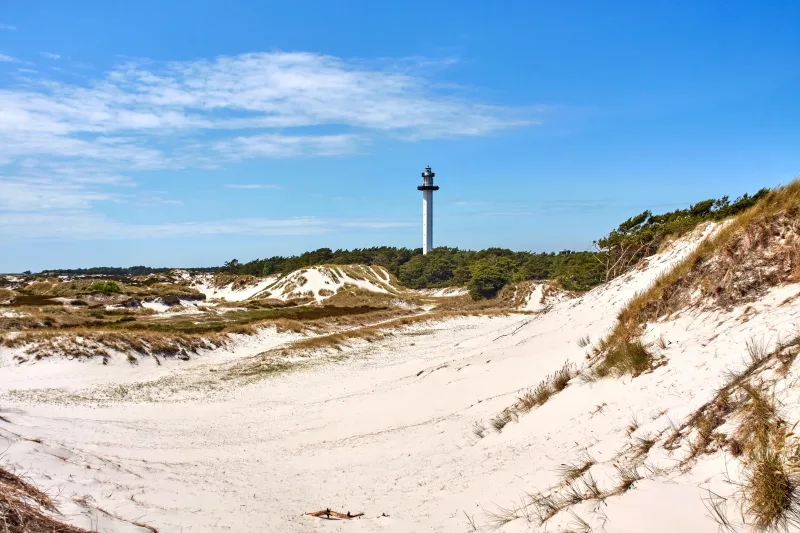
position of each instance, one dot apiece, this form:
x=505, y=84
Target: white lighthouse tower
x=427, y=189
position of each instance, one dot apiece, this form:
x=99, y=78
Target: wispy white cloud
x=77, y=224
x=91, y=226
x=277, y=145
x=377, y=224
x=66, y=147
x=8, y=59
x=468, y=202
x=252, y=186
x=7, y=27
x=34, y=195
x=156, y=199
x=263, y=91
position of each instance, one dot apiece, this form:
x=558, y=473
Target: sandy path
x=286, y=445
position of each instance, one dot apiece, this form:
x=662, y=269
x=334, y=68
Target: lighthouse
x=427, y=189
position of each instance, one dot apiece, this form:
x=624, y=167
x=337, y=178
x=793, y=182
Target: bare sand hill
x=408, y=430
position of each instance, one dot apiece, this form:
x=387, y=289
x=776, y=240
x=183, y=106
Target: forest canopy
x=485, y=272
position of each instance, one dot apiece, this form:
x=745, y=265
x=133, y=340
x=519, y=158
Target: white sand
x=309, y=282
x=205, y=285
x=447, y=292
x=303, y=283
x=389, y=428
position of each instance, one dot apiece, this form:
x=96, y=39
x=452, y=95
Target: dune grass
x=626, y=358
x=26, y=509
x=6, y=294
x=772, y=487
x=502, y=419
x=63, y=330
x=535, y=397
x=712, y=262
x=575, y=469
x=550, y=385
x=131, y=287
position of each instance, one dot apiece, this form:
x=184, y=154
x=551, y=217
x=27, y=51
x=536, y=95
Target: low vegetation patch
x=6, y=295
x=627, y=358
x=87, y=332
x=502, y=419
x=236, y=282
x=574, y=470
x=105, y=287
x=89, y=343
x=550, y=385
x=762, y=441
x=771, y=485
x=754, y=251
x=26, y=509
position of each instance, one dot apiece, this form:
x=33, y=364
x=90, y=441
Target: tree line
x=485, y=272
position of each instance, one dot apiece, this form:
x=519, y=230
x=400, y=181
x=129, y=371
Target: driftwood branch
x=333, y=515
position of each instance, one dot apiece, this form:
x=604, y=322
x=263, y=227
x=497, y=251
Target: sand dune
x=390, y=427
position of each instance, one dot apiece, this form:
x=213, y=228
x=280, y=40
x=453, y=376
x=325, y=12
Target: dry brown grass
x=626, y=358
x=769, y=490
x=241, y=329
x=643, y=445
x=502, y=419
x=26, y=509
x=352, y=295
x=87, y=343
x=575, y=469
x=538, y=396
x=86, y=332
x=54, y=317
x=6, y=294
x=770, y=487
x=293, y=326
x=550, y=385
x=52, y=288
x=510, y=298
x=239, y=281
x=50, y=328
x=374, y=274
x=754, y=251
x=628, y=475
x=758, y=417
x=367, y=329
x=740, y=395
x=561, y=377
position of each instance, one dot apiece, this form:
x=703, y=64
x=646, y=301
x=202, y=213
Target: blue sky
x=188, y=133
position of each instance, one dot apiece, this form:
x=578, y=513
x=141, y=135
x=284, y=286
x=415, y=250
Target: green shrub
x=627, y=358
x=106, y=287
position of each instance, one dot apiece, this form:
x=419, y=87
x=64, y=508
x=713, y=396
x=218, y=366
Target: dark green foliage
x=107, y=271
x=106, y=287
x=578, y=271
x=485, y=272
x=489, y=275
x=641, y=236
